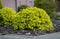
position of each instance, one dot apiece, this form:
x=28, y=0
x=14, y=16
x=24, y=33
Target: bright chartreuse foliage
x=27, y=19
x=8, y=17
x=34, y=19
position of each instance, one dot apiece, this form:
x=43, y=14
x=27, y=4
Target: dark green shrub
x=0, y=5
x=22, y=7
x=34, y=19
x=8, y=17
x=48, y=5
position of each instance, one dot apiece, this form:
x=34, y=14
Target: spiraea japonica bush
x=34, y=19
x=8, y=17
x=29, y=18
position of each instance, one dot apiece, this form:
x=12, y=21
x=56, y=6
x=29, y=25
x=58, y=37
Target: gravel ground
x=9, y=30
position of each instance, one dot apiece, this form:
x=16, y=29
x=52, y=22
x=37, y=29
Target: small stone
x=28, y=33
x=18, y=33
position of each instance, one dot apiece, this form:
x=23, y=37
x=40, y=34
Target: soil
x=9, y=30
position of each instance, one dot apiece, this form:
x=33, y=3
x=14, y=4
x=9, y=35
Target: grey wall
x=11, y=3
x=25, y=2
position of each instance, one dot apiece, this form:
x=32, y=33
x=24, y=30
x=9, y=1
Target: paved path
x=48, y=36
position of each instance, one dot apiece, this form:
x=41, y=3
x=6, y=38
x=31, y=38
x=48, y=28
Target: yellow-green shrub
x=29, y=18
x=8, y=17
x=34, y=19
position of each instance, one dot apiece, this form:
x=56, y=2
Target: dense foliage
x=48, y=5
x=0, y=4
x=29, y=18
x=22, y=7
x=8, y=17
x=34, y=19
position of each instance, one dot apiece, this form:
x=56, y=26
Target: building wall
x=13, y=4
x=30, y=3
x=25, y=2
x=21, y=2
x=9, y=3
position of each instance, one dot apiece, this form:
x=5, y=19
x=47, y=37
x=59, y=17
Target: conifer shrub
x=34, y=19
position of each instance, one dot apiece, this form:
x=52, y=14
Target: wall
x=13, y=4
x=25, y=2
x=9, y=3
x=30, y=3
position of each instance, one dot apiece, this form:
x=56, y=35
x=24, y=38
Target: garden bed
x=4, y=30
x=26, y=22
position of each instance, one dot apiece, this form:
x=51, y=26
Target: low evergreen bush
x=27, y=19
x=8, y=17
x=34, y=19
